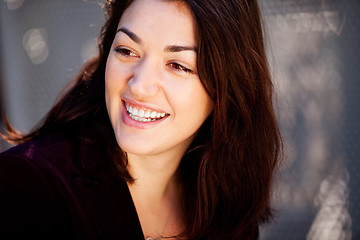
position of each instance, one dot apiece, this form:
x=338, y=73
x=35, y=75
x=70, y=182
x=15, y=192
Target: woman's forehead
x=168, y=20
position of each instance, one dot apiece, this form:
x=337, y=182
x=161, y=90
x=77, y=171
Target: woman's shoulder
x=52, y=152
x=47, y=147
x=45, y=189
x=29, y=186
x=60, y=151
x=38, y=167
x=56, y=157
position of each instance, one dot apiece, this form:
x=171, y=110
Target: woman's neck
x=156, y=193
x=155, y=176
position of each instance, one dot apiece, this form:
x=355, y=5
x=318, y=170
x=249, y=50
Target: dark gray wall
x=315, y=62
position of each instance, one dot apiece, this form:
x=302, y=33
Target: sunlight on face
x=154, y=96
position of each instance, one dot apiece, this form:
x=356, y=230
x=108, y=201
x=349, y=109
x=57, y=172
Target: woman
x=169, y=133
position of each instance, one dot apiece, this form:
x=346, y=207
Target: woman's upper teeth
x=144, y=113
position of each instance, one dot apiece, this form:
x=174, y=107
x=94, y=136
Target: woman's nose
x=145, y=80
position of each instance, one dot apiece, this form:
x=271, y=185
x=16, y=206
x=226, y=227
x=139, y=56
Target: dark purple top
x=57, y=187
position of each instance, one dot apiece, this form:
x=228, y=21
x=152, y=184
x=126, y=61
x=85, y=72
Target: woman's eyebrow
x=130, y=34
x=176, y=48
x=169, y=48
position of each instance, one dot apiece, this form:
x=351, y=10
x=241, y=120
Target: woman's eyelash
x=179, y=67
x=129, y=53
x=124, y=51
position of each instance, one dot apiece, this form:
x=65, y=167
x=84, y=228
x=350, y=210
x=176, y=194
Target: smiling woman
x=151, y=70
x=168, y=133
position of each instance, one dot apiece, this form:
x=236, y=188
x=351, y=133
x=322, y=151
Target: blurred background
x=314, y=53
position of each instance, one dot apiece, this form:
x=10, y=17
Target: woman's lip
x=137, y=124
x=140, y=106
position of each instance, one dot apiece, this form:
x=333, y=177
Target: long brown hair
x=227, y=172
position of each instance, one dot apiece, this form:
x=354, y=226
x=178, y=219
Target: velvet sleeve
x=28, y=206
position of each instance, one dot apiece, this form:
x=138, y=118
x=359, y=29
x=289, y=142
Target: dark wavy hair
x=227, y=172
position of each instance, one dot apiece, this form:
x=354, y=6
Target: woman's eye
x=125, y=52
x=179, y=67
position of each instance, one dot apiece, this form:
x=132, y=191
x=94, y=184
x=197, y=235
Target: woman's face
x=154, y=96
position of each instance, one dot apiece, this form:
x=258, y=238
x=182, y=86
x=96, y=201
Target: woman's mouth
x=143, y=114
